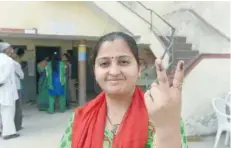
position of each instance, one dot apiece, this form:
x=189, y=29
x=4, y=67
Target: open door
x=41, y=53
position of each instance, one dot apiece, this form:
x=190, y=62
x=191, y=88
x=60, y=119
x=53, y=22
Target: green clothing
x=42, y=89
x=62, y=104
x=62, y=74
x=108, y=137
x=62, y=78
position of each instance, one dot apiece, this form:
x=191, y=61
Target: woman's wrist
x=168, y=136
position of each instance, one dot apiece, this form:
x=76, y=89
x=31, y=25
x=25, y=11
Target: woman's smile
x=115, y=81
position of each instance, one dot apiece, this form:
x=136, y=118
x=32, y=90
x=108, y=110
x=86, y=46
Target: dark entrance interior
x=41, y=53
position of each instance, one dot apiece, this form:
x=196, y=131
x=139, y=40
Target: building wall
x=31, y=44
x=216, y=13
x=198, y=30
x=63, y=18
x=209, y=79
x=144, y=53
x=202, y=37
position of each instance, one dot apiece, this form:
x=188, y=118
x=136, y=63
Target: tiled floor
x=208, y=142
x=42, y=130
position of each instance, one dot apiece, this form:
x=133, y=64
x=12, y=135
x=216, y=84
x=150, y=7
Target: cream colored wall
x=209, y=79
x=200, y=34
x=217, y=13
x=69, y=18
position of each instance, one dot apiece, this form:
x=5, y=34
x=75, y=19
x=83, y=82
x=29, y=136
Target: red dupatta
x=89, y=124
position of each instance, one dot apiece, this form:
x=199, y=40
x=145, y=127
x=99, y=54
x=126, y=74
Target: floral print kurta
x=108, y=137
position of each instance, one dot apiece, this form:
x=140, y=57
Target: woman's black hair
x=70, y=52
x=20, y=51
x=54, y=62
x=113, y=36
x=67, y=56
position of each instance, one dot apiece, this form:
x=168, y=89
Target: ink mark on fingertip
x=160, y=67
x=181, y=65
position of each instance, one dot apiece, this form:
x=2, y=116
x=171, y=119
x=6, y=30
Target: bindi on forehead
x=116, y=49
x=115, y=57
x=113, y=47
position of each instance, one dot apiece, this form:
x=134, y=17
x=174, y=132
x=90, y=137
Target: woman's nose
x=114, y=69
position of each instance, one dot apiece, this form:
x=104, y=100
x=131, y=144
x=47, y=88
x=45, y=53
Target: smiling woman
x=122, y=115
x=116, y=68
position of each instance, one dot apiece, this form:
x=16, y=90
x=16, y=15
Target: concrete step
x=186, y=60
x=176, y=39
x=179, y=39
x=182, y=46
x=185, y=53
x=164, y=40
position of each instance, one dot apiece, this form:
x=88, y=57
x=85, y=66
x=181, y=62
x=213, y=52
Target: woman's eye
x=104, y=64
x=124, y=63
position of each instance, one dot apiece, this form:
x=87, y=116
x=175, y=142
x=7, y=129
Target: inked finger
x=179, y=75
x=161, y=75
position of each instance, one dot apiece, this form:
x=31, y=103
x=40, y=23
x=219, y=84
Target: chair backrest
x=219, y=105
x=228, y=98
x=228, y=101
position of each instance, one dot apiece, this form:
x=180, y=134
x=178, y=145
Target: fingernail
x=160, y=67
x=181, y=65
x=159, y=64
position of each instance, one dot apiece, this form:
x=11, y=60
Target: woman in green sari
x=55, y=72
x=123, y=116
x=42, y=86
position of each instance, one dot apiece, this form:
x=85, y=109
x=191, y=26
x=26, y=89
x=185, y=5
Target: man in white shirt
x=18, y=52
x=8, y=92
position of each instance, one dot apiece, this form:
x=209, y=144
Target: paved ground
x=208, y=142
x=42, y=130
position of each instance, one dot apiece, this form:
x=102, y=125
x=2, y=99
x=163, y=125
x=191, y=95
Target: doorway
x=41, y=53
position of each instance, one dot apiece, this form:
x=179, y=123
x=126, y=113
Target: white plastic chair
x=219, y=106
x=228, y=99
x=228, y=102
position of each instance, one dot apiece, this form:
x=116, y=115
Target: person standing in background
x=8, y=92
x=68, y=76
x=43, y=95
x=72, y=81
x=55, y=72
x=17, y=54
